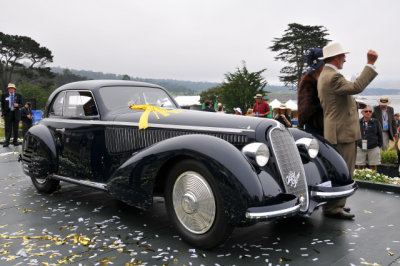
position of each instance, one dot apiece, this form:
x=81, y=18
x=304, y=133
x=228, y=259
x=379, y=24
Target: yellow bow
x=144, y=118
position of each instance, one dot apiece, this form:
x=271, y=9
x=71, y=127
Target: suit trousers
x=349, y=152
x=385, y=140
x=11, y=126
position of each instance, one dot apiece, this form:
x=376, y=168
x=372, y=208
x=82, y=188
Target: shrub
x=389, y=157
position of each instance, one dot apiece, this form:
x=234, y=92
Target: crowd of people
x=326, y=106
x=13, y=111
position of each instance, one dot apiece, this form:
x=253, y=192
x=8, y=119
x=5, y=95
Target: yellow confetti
x=105, y=261
x=284, y=260
x=37, y=254
x=10, y=257
x=390, y=253
x=369, y=263
x=4, y=252
x=2, y=226
x=144, y=118
x=26, y=210
x=367, y=212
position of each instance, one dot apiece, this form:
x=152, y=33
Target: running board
x=95, y=185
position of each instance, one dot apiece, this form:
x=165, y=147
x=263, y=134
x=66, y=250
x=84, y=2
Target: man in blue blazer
x=11, y=102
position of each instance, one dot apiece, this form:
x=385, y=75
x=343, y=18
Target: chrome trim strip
x=272, y=214
x=96, y=185
x=134, y=124
x=327, y=195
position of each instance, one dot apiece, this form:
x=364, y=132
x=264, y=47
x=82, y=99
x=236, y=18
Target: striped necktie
x=12, y=100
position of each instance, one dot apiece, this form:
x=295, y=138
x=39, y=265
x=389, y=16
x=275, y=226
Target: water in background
x=372, y=100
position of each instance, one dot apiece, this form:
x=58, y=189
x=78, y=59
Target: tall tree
x=211, y=94
x=23, y=57
x=292, y=48
x=238, y=89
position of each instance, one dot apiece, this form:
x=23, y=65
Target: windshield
x=117, y=97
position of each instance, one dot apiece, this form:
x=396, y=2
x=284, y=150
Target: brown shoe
x=346, y=209
x=340, y=215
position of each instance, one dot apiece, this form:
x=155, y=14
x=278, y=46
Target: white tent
x=189, y=102
x=274, y=104
x=292, y=105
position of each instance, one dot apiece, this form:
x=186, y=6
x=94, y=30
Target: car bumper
x=287, y=208
x=325, y=193
x=292, y=207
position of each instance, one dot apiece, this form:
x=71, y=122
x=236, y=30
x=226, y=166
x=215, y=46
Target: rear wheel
x=45, y=185
x=195, y=205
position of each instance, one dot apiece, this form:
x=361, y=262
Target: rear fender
x=39, y=153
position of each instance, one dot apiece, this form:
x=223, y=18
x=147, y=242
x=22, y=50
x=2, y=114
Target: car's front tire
x=45, y=185
x=195, y=205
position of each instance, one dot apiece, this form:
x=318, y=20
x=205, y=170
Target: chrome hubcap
x=194, y=202
x=41, y=180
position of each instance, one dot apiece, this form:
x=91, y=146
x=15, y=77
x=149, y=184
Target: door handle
x=61, y=130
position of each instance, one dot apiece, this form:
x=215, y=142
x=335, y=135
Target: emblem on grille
x=292, y=179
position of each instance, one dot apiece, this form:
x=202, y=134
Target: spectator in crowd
x=220, y=108
x=238, y=111
x=26, y=117
x=11, y=102
x=208, y=106
x=341, y=122
x=368, y=147
x=249, y=112
x=261, y=108
x=310, y=115
x=282, y=115
x=396, y=118
x=385, y=115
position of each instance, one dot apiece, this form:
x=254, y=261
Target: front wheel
x=195, y=205
x=45, y=185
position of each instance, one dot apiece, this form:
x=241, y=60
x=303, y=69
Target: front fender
x=236, y=178
x=327, y=166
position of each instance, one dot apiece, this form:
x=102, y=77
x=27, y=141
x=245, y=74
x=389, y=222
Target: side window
x=79, y=104
x=57, y=106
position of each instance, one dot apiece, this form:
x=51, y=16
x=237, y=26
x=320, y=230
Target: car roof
x=96, y=84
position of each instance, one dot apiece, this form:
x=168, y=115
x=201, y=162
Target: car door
x=79, y=135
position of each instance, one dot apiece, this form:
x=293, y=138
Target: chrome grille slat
x=130, y=139
x=289, y=163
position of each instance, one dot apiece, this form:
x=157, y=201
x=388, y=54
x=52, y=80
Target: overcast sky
x=200, y=40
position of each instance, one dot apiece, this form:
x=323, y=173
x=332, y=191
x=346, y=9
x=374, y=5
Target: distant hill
x=176, y=87
x=184, y=87
x=379, y=91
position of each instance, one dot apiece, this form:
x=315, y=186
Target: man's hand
x=16, y=105
x=371, y=57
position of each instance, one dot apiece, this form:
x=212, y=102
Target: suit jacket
x=5, y=108
x=341, y=124
x=392, y=122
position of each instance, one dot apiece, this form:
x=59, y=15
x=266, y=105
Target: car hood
x=196, y=120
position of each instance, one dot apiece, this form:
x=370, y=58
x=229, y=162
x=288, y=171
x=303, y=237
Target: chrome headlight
x=257, y=153
x=311, y=146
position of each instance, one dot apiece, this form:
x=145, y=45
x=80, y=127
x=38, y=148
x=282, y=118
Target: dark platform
x=119, y=233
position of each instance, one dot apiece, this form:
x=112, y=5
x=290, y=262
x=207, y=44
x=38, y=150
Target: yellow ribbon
x=144, y=118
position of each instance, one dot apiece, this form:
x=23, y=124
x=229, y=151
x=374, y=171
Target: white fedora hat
x=331, y=50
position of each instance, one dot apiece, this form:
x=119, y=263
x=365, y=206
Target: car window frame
x=84, y=117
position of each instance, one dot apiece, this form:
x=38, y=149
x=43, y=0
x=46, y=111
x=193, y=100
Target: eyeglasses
x=367, y=111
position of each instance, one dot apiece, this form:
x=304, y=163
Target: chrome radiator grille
x=289, y=163
x=130, y=139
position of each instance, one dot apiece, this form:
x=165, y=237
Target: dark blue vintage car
x=216, y=171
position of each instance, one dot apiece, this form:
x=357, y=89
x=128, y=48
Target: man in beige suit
x=341, y=125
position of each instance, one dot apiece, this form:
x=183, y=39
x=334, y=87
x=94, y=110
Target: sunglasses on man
x=367, y=111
